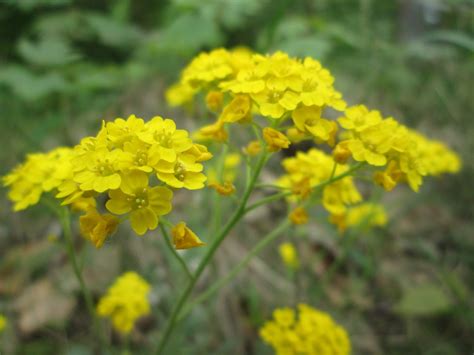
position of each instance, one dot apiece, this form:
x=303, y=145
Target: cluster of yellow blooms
x=364, y=216
x=136, y=163
x=125, y=301
x=310, y=332
x=239, y=84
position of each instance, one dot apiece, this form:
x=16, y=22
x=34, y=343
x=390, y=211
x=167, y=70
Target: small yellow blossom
x=215, y=131
x=311, y=332
x=179, y=94
x=289, y=255
x=97, y=227
x=238, y=110
x=299, y=216
x=125, y=302
x=275, y=140
x=184, y=173
x=253, y=148
x=145, y=204
x=366, y=215
x=184, y=237
x=341, y=154
x=225, y=189
x=214, y=100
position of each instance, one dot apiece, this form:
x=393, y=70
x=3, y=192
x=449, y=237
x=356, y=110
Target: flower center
x=164, y=138
x=141, y=158
x=179, y=171
x=140, y=200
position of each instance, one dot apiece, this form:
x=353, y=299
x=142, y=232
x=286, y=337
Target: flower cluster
x=363, y=216
x=136, y=164
x=125, y=301
x=240, y=83
x=306, y=171
x=308, y=333
x=384, y=142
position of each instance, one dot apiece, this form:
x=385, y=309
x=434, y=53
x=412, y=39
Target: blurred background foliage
x=67, y=64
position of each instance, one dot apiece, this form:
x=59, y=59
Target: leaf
x=312, y=46
x=194, y=31
x=424, y=299
x=112, y=32
x=48, y=50
x=30, y=86
x=457, y=38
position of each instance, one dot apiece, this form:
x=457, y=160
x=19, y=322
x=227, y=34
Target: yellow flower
x=225, y=189
x=125, y=302
x=185, y=172
x=97, y=227
x=3, y=322
x=308, y=119
x=213, y=131
x=200, y=152
x=312, y=332
x=299, y=216
x=179, y=94
x=185, y=238
x=101, y=171
x=238, y=110
x=340, y=153
x=120, y=131
x=275, y=140
x=145, y=204
x=214, y=100
x=366, y=215
x=253, y=148
x=358, y=118
x=289, y=255
x=274, y=103
x=166, y=141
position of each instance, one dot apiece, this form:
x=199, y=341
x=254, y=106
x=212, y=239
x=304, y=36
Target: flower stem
x=210, y=253
x=174, y=252
x=66, y=225
x=285, y=224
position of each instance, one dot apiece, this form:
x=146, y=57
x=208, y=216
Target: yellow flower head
x=97, y=227
x=125, y=302
x=214, y=100
x=225, y=189
x=366, y=215
x=180, y=94
x=144, y=203
x=275, y=140
x=184, y=237
x=289, y=255
x=215, y=131
x=299, y=216
x=310, y=332
x=185, y=172
x=238, y=110
x=253, y=148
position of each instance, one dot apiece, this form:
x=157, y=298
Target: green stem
x=174, y=252
x=267, y=199
x=238, y=214
x=223, y=281
x=66, y=225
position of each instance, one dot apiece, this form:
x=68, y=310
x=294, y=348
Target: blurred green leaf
x=29, y=86
x=424, y=299
x=47, y=51
x=312, y=46
x=194, y=32
x=112, y=32
x=33, y=4
x=457, y=38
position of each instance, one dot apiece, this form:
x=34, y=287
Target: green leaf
x=30, y=86
x=424, y=299
x=48, y=51
x=312, y=46
x=112, y=32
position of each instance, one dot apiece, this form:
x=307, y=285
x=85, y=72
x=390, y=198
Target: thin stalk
x=267, y=199
x=285, y=224
x=66, y=225
x=174, y=252
x=238, y=214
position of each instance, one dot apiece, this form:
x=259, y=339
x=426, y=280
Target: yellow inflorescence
x=310, y=332
x=119, y=162
x=125, y=301
x=365, y=215
x=289, y=255
x=307, y=170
